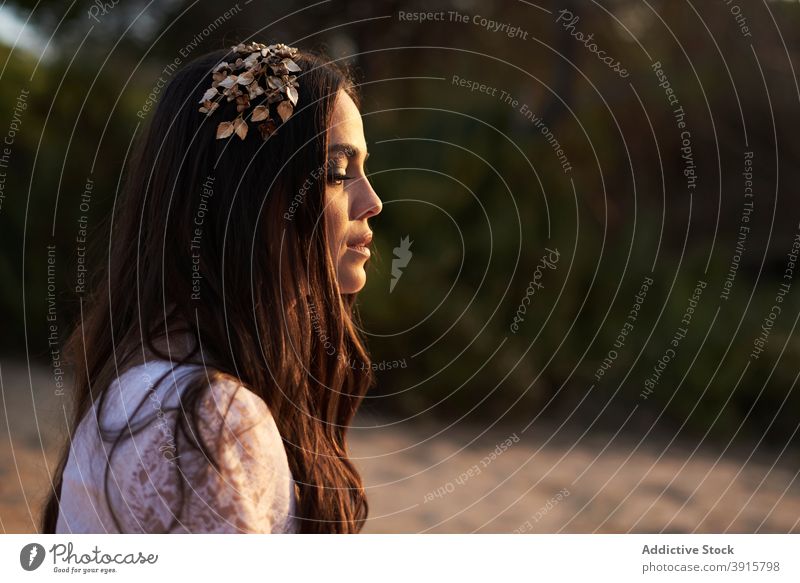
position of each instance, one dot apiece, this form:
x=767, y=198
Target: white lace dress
x=252, y=491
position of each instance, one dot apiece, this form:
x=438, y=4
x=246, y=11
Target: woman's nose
x=369, y=203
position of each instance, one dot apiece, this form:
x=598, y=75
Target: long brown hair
x=264, y=270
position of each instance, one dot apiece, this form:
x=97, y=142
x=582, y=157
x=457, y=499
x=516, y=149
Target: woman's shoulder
x=228, y=400
x=249, y=486
x=157, y=382
x=240, y=424
x=164, y=385
x=223, y=403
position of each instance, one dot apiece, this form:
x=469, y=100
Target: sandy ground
x=422, y=478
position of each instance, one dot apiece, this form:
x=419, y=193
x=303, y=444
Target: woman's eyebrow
x=349, y=150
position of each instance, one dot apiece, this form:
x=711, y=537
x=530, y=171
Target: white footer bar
x=406, y=558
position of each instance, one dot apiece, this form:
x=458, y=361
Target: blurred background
x=583, y=304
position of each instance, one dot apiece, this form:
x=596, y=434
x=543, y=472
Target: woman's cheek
x=336, y=219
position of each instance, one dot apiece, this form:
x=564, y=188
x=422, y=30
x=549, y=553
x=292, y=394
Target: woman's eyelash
x=338, y=177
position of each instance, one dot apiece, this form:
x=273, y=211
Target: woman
x=212, y=387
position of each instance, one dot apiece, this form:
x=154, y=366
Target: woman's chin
x=352, y=279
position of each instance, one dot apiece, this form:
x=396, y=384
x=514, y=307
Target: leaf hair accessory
x=262, y=70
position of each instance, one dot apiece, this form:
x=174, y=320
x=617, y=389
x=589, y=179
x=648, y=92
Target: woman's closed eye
x=337, y=177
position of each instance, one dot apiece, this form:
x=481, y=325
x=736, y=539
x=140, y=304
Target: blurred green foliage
x=481, y=193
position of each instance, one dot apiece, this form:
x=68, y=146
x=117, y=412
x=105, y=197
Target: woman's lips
x=361, y=249
x=360, y=244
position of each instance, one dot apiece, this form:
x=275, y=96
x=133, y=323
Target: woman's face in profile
x=349, y=197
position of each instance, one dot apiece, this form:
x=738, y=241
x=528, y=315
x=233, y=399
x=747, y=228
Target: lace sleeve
x=252, y=489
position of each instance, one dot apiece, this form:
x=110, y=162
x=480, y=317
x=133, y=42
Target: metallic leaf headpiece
x=262, y=70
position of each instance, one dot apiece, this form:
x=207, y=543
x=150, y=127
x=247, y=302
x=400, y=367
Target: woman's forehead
x=346, y=124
